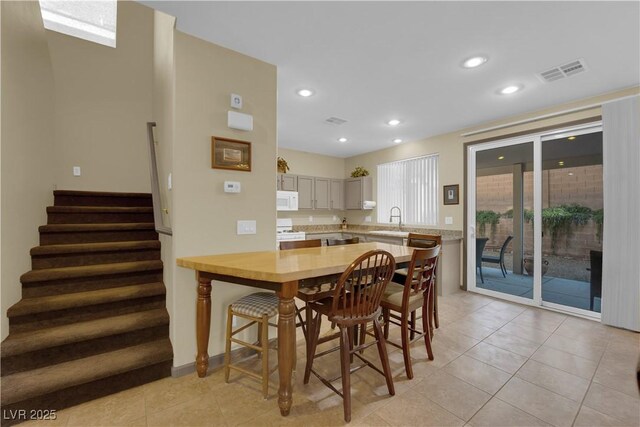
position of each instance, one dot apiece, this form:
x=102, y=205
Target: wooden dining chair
x=337, y=242
x=424, y=241
x=355, y=302
x=404, y=299
x=310, y=294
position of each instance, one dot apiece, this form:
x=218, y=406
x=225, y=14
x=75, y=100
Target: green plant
x=580, y=215
x=598, y=218
x=359, y=171
x=283, y=166
x=487, y=217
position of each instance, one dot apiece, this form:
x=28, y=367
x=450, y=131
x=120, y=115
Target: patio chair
x=595, y=258
x=499, y=259
x=480, y=244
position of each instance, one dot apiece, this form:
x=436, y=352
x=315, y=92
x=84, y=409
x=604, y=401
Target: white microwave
x=287, y=201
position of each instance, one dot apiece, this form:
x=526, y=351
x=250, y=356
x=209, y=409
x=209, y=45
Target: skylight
x=89, y=20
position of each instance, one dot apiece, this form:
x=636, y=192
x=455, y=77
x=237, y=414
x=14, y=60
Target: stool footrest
x=246, y=344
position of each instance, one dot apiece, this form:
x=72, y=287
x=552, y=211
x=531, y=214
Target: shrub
x=487, y=217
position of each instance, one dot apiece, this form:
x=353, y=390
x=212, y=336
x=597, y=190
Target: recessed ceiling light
x=571, y=138
x=393, y=122
x=305, y=92
x=560, y=163
x=397, y=140
x=501, y=158
x=474, y=62
x=510, y=89
x=343, y=139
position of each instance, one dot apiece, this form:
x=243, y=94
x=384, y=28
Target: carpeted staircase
x=92, y=319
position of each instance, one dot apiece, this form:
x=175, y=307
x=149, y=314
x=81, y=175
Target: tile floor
x=496, y=364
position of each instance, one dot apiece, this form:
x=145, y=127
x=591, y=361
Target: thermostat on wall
x=231, y=187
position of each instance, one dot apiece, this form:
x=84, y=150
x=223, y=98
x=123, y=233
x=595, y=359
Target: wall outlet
x=310, y=218
x=448, y=220
x=335, y=218
x=236, y=101
x=76, y=171
x=246, y=227
x=367, y=218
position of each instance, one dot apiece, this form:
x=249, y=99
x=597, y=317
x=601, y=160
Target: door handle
x=472, y=229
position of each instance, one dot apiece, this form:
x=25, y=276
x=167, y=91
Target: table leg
x=203, y=324
x=286, y=344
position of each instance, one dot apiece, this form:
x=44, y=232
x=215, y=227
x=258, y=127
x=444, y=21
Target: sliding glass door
x=533, y=208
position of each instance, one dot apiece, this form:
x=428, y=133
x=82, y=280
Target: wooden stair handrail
x=155, y=185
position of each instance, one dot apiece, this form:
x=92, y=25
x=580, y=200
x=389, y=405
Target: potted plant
x=359, y=171
x=283, y=167
x=528, y=265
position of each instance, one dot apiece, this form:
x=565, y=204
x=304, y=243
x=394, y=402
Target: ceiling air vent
x=335, y=121
x=561, y=71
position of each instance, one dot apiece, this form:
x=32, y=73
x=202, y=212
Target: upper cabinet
x=306, y=195
x=337, y=194
x=357, y=190
x=287, y=182
x=322, y=193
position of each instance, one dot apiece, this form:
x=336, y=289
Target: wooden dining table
x=283, y=272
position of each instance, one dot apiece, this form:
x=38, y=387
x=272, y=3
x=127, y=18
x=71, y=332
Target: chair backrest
x=337, y=242
x=299, y=244
x=416, y=240
x=361, y=286
x=504, y=246
x=421, y=274
x=480, y=244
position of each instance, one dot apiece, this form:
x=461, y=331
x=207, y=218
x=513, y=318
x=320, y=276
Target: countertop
x=447, y=235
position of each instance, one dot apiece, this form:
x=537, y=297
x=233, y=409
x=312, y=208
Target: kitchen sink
x=390, y=233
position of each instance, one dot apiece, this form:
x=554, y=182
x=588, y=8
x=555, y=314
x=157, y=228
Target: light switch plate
x=367, y=218
x=76, y=171
x=448, y=220
x=246, y=227
x=232, y=187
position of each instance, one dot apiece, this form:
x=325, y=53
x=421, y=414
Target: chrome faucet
x=399, y=216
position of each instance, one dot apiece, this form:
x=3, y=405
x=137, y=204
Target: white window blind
x=89, y=20
x=412, y=185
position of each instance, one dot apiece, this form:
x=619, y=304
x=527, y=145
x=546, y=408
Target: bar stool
x=258, y=307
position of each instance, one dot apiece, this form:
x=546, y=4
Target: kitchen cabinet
x=357, y=190
x=337, y=194
x=305, y=192
x=287, y=182
x=324, y=236
x=314, y=192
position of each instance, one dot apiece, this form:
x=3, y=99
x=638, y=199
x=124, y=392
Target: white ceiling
x=372, y=61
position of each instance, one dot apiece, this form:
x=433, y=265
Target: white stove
x=284, y=231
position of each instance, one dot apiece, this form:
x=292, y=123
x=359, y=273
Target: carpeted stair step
x=69, y=255
x=35, y=349
x=65, y=384
x=34, y=313
x=55, y=234
x=100, y=198
x=57, y=281
x=98, y=214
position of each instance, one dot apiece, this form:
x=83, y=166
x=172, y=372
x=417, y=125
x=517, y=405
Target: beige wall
x=164, y=116
x=303, y=163
x=103, y=99
x=204, y=217
x=27, y=143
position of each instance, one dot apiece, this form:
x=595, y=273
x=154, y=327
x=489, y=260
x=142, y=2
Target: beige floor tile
x=415, y=410
x=242, y=400
x=485, y=319
x=618, y=374
x=373, y=420
x=454, y=341
x=471, y=329
x=441, y=355
x=624, y=342
x=575, y=326
x=56, y=419
x=587, y=348
x=613, y=403
x=528, y=333
x=540, y=319
x=170, y=391
x=588, y=417
x=555, y=380
x=497, y=413
x=539, y=402
x=456, y=396
x=199, y=412
x=567, y=362
x=497, y=357
x=512, y=343
x=117, y=409
x=479, y=374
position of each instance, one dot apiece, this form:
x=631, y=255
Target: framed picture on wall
x=230, y=154
x=452, y=194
